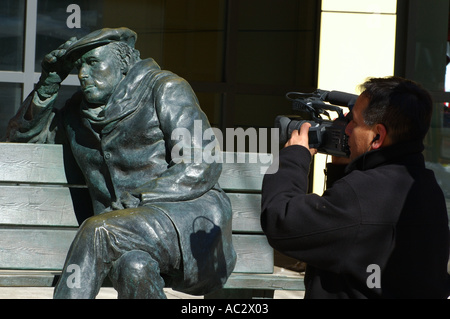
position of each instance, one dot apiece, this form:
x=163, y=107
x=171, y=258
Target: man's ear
x=380, y=137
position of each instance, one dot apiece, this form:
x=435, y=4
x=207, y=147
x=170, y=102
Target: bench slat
x=27, y=278
x=246, y=212
x=31, y=163
x=28, y=205
x=265, y=282
x=46, y=249
x=30, y=248
x=254, y=254
x=43, y=163
x=52, y=206
x=244, y=173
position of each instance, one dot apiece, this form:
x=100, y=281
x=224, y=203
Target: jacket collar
x=406, y=153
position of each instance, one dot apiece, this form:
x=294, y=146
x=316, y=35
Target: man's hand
x=300, y=137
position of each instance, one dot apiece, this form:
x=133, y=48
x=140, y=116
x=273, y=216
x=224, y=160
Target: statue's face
x=99, y=73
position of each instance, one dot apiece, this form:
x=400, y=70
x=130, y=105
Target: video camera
x=326, y=135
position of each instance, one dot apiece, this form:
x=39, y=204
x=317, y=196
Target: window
x=12, y=59
x=12, y=26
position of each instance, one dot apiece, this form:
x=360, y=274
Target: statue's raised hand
x=56, y=62
x=55, y=68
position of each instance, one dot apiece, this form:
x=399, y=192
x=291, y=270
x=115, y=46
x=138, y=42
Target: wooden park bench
x=38, y=223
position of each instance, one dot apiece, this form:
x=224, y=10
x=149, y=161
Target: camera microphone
x=339, y=98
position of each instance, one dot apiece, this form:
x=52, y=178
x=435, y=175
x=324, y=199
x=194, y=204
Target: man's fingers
x=301, y=137
x=304, y=129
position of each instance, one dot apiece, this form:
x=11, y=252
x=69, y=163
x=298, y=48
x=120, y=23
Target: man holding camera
x=380, y=230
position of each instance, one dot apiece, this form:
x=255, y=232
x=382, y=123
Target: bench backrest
x=37, y=215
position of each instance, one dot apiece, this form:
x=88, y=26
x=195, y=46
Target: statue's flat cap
x=99, y=38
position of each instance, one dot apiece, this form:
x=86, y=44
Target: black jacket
x=380, y=231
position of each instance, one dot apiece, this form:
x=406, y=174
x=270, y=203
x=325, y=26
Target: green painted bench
x=38, y=201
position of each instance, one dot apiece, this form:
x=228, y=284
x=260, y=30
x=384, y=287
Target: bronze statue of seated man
x=157, y=221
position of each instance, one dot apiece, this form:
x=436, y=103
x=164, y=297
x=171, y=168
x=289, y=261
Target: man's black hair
x=403, y=106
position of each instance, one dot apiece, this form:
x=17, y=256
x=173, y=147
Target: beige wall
x=357, y=41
